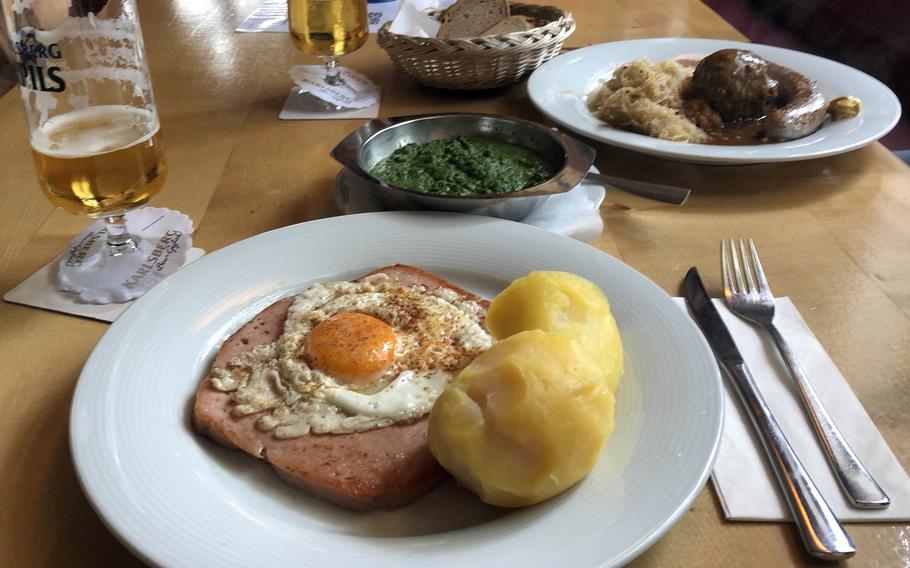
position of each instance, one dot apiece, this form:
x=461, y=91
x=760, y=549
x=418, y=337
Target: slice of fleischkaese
x=380, y=468
x=510, y=25
x=471, y=18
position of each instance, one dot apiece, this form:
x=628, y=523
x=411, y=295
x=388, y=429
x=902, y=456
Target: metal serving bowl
x=361, y=150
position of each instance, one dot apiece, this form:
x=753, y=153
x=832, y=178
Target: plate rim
x=678, y=153
x=146, y=553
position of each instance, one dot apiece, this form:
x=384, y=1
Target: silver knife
x=822, y=534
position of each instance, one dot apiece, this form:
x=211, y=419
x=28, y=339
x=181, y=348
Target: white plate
x=558, y=89
x=177, y=499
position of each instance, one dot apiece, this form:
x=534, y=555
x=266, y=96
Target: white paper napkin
x=314, y=99
x=742, y=477
x=297, y=107
x=353, y=91
x=574, y=214
x=411, y=20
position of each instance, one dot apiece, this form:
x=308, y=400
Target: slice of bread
x=511, y=24
x=382, y=468
x=470, y=18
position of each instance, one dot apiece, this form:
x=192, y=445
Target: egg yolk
x=352, y=347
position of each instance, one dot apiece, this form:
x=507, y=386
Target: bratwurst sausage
x=804, y=107
x=742, y=86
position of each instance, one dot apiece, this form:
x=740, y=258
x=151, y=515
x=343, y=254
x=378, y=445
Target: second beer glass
x=328, y=29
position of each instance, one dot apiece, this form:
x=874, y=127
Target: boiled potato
x=524, y=421
x=563, y=303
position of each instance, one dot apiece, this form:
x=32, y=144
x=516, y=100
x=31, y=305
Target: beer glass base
x=310, y=101
x=120, y=249
x=103, y=276
x=330, y=66
x=119, y=241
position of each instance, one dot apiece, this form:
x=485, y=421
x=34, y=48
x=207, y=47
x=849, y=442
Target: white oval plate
x=177, y=499
x=558, y=88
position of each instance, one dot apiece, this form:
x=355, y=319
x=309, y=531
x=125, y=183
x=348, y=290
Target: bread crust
x=381, y=468
x=469, y=18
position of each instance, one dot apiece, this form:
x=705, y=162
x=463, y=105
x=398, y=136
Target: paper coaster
x=39, y=291
x=298, y=107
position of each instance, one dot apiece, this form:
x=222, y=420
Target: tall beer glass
x=92, y=121
x=328, y=29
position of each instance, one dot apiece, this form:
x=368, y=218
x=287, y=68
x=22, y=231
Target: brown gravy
x=744, y=133
x=738, y=133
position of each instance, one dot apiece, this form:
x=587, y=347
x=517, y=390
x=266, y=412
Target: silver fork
x=756, y=304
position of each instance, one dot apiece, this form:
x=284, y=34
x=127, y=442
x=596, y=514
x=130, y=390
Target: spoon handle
x=659, y=192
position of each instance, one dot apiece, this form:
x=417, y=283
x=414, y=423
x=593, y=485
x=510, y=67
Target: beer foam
x=89, y=28
x=40, y=101
x=134, y=77
x=110, y=49
x=94, y=130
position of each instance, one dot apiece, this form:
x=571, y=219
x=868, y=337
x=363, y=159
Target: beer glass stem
x=119, y=241
x=331, y=70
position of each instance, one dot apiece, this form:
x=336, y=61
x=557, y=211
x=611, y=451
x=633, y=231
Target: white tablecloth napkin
x=742, y=477
x=575, y=213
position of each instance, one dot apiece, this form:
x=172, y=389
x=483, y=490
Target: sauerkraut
x=646, y=97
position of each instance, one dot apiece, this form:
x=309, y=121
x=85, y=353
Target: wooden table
x=834, y=234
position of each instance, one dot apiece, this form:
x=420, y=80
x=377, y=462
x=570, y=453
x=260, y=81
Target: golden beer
x=101, y=160
x=328, y=27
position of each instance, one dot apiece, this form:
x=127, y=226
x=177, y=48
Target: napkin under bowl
x=574, y=214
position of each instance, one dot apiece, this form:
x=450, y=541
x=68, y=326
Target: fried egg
x=356, y=356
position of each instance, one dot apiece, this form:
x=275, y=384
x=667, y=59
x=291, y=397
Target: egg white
x=299, y=399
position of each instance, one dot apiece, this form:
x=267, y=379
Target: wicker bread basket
x=480, y=62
